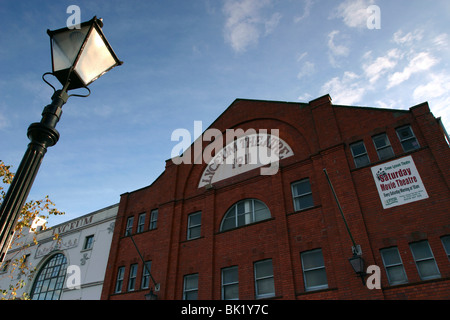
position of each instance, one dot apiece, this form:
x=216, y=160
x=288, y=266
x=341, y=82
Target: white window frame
x=145, y=282
x=129, y=228
x=141, y=223
x=231, y=283
x=187, y=291
x=132, y=277
x=249, y=216
x=307, y=271
x=119, y=279
x=410, y=138
x=360, y=155
x=388, y=267
x=303, y=195
x=263, y=278
x=192, y=227
x=386, y=146
x=419, y=261
x=153, y=220
x=88, y=242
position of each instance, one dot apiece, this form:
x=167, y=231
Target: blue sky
x=188, y=60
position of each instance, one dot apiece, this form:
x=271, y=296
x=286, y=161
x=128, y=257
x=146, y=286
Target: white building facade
x=71, y=267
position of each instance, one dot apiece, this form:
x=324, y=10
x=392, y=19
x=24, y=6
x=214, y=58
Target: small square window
x=153, y=219
x=360, y=155
x=425, y=262
x=141, y=223
x=194, y=225
x=146, y=275
x=132, y=277
x=88, y=242
x=230, y=283
x=383, y=146
x=314, y=273
x=394, y=266
x=407, y=138
x=119, y=279
x=264, y=281
x=129, y=228
x=190, y=288
x=302, y=195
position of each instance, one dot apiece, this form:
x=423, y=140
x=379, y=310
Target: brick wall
x=319, y=133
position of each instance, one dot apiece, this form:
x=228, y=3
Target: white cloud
x=272, y=23
x=354, y=12
x=305, y=97
x=300, y=57
x=307, y=69
x=419, y=63
x=438, y=86
x=306, y=11
x=381, y=65
x=336, y=50
x=348, y=90
x=408, y=38
x=441, y=40
x=435, y=92
x=245, y=21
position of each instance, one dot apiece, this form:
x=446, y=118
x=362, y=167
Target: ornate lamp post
x=79, y=57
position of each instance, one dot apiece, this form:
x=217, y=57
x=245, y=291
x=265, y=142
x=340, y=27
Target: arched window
x=245, y=212
x=50, y=280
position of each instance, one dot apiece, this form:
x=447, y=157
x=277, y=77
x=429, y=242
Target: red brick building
x=209, y=232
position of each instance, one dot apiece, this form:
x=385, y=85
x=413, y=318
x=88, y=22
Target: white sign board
x=398, y=182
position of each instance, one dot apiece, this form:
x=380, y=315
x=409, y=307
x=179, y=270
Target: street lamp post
x=79, y=57
x=356, y=261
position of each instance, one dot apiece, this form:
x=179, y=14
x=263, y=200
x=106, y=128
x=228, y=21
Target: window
x=50, y=280
x=190, y=288
x=446, y=244
x=360, y=155
x=230, y=283
x=407, y=138
x=425, y=263
x=141, y=223
x=129, y=228
x=88, y=242
x=245, y=212
x=153, y=219
x=394, y=266
x=146, y=275
x=383, y=146
x=194, y=225
x=302, y=195
x=132, y=277
x=119, y=280
x=314, y=274
x=264, y=282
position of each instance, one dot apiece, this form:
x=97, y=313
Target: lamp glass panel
x=95, y=59
x=357, y=264
x=66, y=46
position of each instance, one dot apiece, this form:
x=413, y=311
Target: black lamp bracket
x=65, y=87
x=356, y=250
